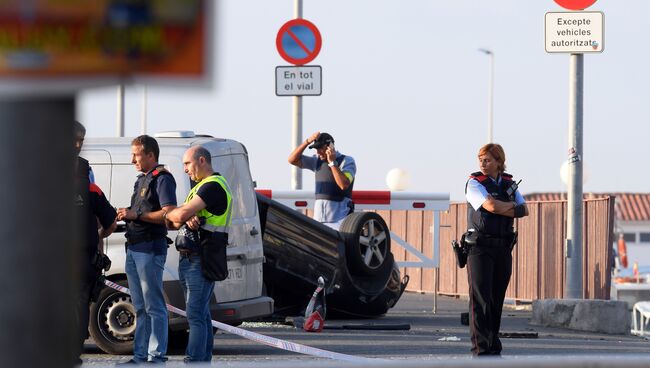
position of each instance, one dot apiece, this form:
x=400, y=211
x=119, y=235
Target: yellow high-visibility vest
x=214, y=222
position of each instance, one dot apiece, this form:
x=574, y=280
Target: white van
x=239, y=297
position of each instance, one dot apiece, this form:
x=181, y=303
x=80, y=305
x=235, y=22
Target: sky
x=404, y=86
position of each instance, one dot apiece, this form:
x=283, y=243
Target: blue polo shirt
x=325, y=210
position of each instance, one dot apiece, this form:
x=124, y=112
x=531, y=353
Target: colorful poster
x=41, y=38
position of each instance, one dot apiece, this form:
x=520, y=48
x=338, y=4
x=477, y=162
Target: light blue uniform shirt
x=325, y=210
x=477, y=194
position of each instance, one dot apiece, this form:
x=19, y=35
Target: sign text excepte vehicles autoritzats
x=574, y=32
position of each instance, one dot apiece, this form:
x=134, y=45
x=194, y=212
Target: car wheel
x=112, y=321
x=367, y=243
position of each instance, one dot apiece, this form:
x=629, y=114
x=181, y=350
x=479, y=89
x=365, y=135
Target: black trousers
x=85, y=286
x=488, y=272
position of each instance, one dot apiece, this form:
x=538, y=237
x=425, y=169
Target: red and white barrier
x=381, y=200
x=366, y=199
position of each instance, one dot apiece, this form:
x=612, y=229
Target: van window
x=123, y=181
x=235, y=169
x=100, y=163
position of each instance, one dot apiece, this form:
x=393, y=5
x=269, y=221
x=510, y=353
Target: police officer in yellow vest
x=203, y=221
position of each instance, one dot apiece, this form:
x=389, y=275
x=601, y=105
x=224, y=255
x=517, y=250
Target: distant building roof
x=629, y=206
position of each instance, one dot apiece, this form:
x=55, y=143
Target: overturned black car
x=361, y=276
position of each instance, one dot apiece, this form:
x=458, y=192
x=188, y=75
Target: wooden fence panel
x=598, y=249
x=552, y=232
x=428, y=274
x=525, y=285
x=538, y=259
x=414, y=238
x=447, y=275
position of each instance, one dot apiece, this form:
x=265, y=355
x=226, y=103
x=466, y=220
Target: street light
x=490, y=93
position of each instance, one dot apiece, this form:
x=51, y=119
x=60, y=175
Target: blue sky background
x=404, y=86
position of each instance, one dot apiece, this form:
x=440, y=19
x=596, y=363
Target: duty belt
x=494, y=241
x=188, y=252
x=130, y=240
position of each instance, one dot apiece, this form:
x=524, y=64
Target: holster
x=461, y=250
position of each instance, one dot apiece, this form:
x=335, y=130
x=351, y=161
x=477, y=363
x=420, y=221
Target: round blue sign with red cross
x=298, y=41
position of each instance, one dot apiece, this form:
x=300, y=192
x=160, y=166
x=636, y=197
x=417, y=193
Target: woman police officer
x=494, y=202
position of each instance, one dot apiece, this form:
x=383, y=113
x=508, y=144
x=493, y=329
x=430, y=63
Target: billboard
x=102, y=38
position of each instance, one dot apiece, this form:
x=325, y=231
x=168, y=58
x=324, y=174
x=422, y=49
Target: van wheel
x=367, y=243
x=112, y=321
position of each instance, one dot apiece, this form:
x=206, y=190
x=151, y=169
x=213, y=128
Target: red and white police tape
x=366, y=199
x=266, y=340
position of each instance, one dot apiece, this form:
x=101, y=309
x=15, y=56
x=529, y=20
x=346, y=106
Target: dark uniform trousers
x=489, y=267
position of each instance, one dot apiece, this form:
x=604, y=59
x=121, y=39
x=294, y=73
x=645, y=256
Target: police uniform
x=146, y=255
x=489, y=263
x=196, y=262
x=146, y=199
x=92, y=206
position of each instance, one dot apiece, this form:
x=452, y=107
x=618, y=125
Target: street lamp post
x=490, y=94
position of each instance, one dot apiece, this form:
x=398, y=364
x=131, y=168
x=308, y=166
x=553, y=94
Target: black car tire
x=112, y=321
x=367, y=243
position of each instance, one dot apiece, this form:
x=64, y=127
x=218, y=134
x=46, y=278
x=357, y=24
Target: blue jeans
x=144, y=271
x=198, y=292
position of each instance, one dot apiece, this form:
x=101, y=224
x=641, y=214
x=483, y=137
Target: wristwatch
x=138, y=214
x=332, y=164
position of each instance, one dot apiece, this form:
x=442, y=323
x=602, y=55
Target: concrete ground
x=438, y=337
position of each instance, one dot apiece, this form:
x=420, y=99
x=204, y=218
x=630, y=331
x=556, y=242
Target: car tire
x=367, y=243
x=112, y=321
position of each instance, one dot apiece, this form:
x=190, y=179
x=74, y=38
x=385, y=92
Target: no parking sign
x=298, y=41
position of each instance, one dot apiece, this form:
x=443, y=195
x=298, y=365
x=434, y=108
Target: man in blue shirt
x=154, y=194
x=335, y=174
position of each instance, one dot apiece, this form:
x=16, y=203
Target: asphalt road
x=432, y=337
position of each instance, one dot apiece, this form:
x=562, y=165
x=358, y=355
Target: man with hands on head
x=207, y=209
x=334, y=173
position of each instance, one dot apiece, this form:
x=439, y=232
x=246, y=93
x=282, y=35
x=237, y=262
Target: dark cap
x=322, y=140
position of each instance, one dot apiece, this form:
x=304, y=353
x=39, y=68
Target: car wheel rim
x=373, y=242
x=117, y=318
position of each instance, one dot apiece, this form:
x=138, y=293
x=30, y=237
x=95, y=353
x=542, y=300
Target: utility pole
x=120, y=111
x=296, y=128
x=143, y=122
x=490, y=94
x=573, y=287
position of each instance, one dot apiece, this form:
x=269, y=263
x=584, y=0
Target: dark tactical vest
x=82, y=205
x=485, y=222
x=326, y=187
x=145, y=199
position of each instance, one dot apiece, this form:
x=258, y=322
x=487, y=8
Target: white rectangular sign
x=298, y=80
x=574, y=32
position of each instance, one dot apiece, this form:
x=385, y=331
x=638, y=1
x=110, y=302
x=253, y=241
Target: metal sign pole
x=296, y=127
x=143, y=122
x=573, y=288
x=120, y=111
